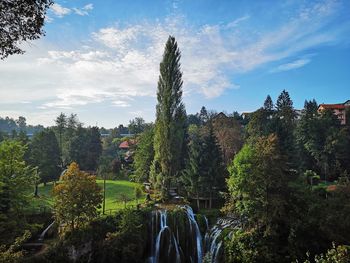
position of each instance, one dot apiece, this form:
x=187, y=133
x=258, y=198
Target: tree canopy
x=20, y=20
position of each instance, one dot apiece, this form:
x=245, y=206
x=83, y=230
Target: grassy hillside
x=114, y=192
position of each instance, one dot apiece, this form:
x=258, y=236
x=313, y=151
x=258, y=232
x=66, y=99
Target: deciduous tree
x=76, y=198
x=20, y=20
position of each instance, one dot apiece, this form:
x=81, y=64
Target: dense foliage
x=20, y=20
x=170, y=120
x=16, y=178
x=77, y=197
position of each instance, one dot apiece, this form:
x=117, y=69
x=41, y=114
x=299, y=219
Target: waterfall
x=175, y=236
x=42, y=235
x=214, y=237
x=198, y=236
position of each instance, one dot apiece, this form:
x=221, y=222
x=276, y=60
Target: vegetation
x=20, y=21
x=114, y=188
x=15, y=179
x=170, y=120
x=77, y=197
x=45, y=155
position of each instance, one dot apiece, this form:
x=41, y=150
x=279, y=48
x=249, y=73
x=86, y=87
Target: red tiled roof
x=124, y=145
x=332, y=106
x=127, y=144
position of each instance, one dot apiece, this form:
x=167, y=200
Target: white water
x=213, y=242
x=166, y=241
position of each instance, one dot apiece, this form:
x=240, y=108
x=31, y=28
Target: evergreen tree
x=61, y=124
x=45, y=154
x=170, y=119
x=284, y=125
x=268, y=104
x=85, y=148
x=94, y=148
x=192, y=176
x=213, y=163
x=203, y=115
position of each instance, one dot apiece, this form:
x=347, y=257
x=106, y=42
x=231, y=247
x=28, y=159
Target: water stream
x=179, y=235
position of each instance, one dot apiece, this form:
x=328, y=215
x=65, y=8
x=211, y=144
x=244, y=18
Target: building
x=338, y=109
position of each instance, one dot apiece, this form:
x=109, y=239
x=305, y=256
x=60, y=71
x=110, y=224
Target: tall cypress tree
x=170, y=119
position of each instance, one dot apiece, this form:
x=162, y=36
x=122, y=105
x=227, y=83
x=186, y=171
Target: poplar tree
x=170, y=119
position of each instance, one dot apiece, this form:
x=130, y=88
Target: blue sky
x=100, y=59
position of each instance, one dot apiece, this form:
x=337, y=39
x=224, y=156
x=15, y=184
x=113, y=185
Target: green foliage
x=138, y=193
x=339, y=254
x=13, y=253
x=204, y=173
x=119, y=238
x=45, y=154
x=170, y=119
x=129, y=241
x=144, y=155
x=77, y=197
x=85, y=148
x=323, y=145
x=15, y=180
x=137, y=125
x=20, y=21
x=261, y=193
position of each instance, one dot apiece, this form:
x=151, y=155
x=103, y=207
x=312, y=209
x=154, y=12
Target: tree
x=284, y=125
x=215, y=169
x=203, y=115
x=144, y=155
x=20, y=20
x=45, y=154
x=260, y=191
x=15, y=181
x=192, y=175
x=94, y=148
x=138, y=193
x=61, y=124
x=204, y=174
x=21, y=122
x=76, y=198
x=170, y=119
x=85, y=147
x=268, y=104
x=137, y=125
x=228, y=133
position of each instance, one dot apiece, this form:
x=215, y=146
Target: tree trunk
x=36, y=190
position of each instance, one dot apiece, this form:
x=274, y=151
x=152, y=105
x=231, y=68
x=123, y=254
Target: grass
x=114, y=191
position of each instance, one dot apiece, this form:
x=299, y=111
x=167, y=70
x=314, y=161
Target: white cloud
x=236, y=22
x=84, y=11
x=125, y=60
x=59, y=10
x=118, y=63
x=292, y=65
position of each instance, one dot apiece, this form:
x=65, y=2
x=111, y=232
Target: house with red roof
x=338, y=109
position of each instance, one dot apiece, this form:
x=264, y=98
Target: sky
x=100, y=59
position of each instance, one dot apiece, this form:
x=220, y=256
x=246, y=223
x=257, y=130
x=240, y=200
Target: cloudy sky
x=100, y=59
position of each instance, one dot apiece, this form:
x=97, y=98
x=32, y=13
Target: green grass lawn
x=114, y=190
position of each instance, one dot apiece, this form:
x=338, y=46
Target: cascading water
x=175, y=236
x=214, y=238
